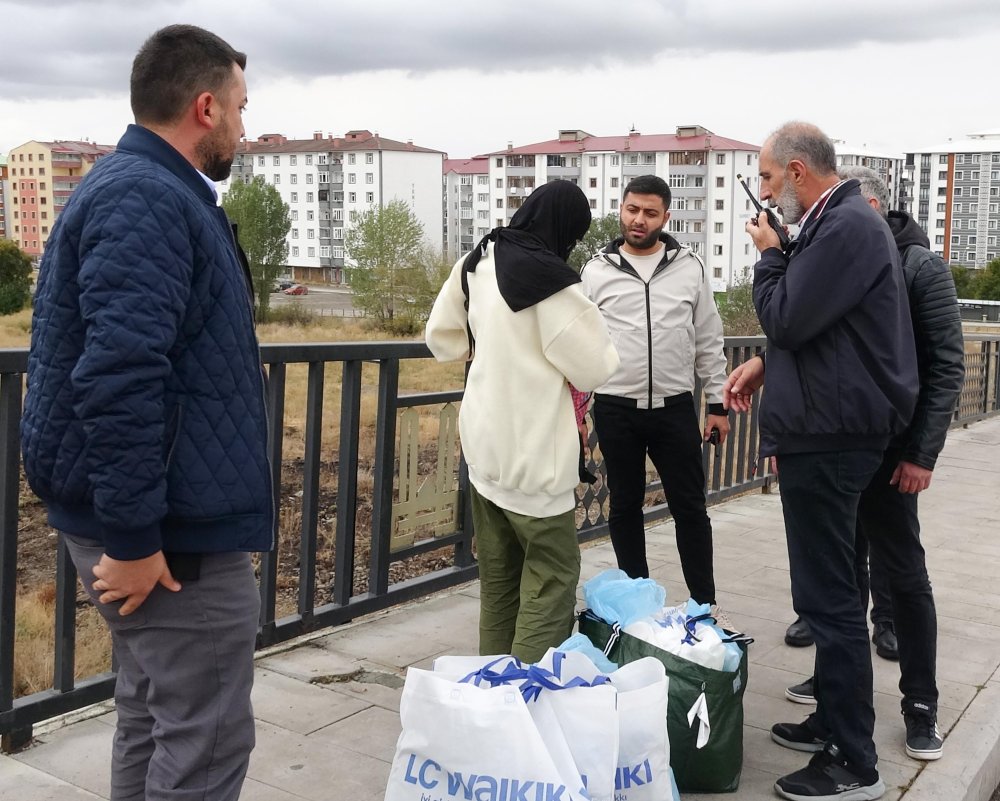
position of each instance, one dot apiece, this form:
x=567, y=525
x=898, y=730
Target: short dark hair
x=174, y=66
x=649, y=185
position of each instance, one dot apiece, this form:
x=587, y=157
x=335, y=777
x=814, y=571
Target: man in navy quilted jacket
x=144, y=427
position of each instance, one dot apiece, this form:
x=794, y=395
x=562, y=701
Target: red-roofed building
x=4, y=192
x=709, y=209
x=327, y=181
x=466, y=204
x=42, y=176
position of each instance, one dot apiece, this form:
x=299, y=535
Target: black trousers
x=887, y=520
x=820, y=498
x=671, y=436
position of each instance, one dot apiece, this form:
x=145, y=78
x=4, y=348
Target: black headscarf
x=530, y=254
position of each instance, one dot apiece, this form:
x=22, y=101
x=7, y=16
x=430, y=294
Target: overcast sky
x=467, y=77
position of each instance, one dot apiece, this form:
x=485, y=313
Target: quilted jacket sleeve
x=937, y=326
x=135, y=278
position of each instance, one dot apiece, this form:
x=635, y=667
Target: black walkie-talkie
x=783, y=238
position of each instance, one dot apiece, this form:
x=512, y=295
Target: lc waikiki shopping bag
x=574, y=708
x=704, y=709
x=460, y=741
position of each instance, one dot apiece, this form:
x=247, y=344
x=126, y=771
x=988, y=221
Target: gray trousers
x=185, y=670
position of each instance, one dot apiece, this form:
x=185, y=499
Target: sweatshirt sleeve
x=447, y=331
x=710, y=352
x=575, y=339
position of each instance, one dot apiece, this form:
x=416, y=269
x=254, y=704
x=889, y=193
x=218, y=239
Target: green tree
x=739, y=317
x=987, y=282
x=15, y=277
x=602, y=230
x=263, y=222
x=965, y=281
x=386, y=246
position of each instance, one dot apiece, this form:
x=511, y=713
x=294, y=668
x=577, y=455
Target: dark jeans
x=887, y=519
x=820, y=496
x=671, y=436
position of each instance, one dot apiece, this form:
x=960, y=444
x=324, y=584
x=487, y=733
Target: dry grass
x=34, y=641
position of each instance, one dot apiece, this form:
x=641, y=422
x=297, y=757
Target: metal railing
x=735, y=468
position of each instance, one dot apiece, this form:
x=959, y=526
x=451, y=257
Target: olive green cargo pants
x=529, y=568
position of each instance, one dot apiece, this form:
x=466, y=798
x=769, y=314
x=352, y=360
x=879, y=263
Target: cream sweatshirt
x=516, y=423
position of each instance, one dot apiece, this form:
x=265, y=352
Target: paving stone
x=22, y=782
x=79, y=755
x=297, y=705
x=373, y=732
x=308, y=663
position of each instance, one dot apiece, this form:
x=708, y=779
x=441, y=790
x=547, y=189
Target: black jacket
x=841, y=363
x=937, y=329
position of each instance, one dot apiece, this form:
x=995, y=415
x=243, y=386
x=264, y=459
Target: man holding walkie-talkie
x=842, y=381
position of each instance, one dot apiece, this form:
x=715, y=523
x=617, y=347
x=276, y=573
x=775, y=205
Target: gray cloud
x=60, y=49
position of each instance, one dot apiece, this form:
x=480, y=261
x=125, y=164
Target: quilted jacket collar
x=143, y=142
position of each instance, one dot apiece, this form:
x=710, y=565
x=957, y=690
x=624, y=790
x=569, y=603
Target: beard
x=216, y=152
x=789, y=205
x=651, y=238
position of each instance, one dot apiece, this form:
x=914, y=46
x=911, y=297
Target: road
x=320, y=300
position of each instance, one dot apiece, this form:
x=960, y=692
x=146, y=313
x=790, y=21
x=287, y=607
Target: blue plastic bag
x=616, y=598
x=582, y=643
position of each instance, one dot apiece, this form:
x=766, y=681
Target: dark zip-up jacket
x=144, y=421
x=841, y=363
x=937, y=329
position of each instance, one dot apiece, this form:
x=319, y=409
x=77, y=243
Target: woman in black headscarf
x=513, y=301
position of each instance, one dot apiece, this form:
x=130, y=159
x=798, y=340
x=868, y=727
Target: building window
x=324, y=251
x=593, y=183
x=295, y=251
x=716, y=250
x=482, y=180
x=593, y=203
x=294, y=178
x=352, y=216
x=499, y=202
x=295, y=233
x=310, y=233
x=719, y=228
x=369, y=197
x=338, y=233
x=352, y=178
x=717, y=272
x=499, y=183
x=352, y=197
x=292, y=160
x=276, y=160
x=295, y=215
x=369, y=158
x=720, y=182
x=943, y=175
x=720, y=205
x=309, y=159
x=338, y=252
x=958, y=191
x=943, y=158
x=614, y=203
x=311, y=252
x=939, y=239
x=310, y=215
x=260, y=161
x=309, y=197
x=614, y=183
x=293, y=197
x=720, y=158
x=351, y=158
x=483, y=197
x=277, y=178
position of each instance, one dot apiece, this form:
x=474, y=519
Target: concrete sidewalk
x=327, y=709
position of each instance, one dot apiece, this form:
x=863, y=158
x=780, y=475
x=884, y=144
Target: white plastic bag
x=461, y=741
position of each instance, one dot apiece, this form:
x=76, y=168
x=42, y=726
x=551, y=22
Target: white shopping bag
x=461, y=742
x=644, y=749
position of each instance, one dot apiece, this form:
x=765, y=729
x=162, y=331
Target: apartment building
x=888, y=165
x=3, y=195
x=709, y=209
x=42, y=176
x=328, y=181
x=466, y=204
x=952, y=190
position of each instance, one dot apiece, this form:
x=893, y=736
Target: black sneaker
x=885, y=642
x=801, y=693
x=798, y=634
x=827, y=777
x=798, y=736
x=923, y=738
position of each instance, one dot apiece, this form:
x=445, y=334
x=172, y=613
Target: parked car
x=281, y=286
x=297, y=289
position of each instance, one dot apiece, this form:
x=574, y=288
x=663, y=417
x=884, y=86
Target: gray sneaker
x=801, y=693
x=923, y=737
